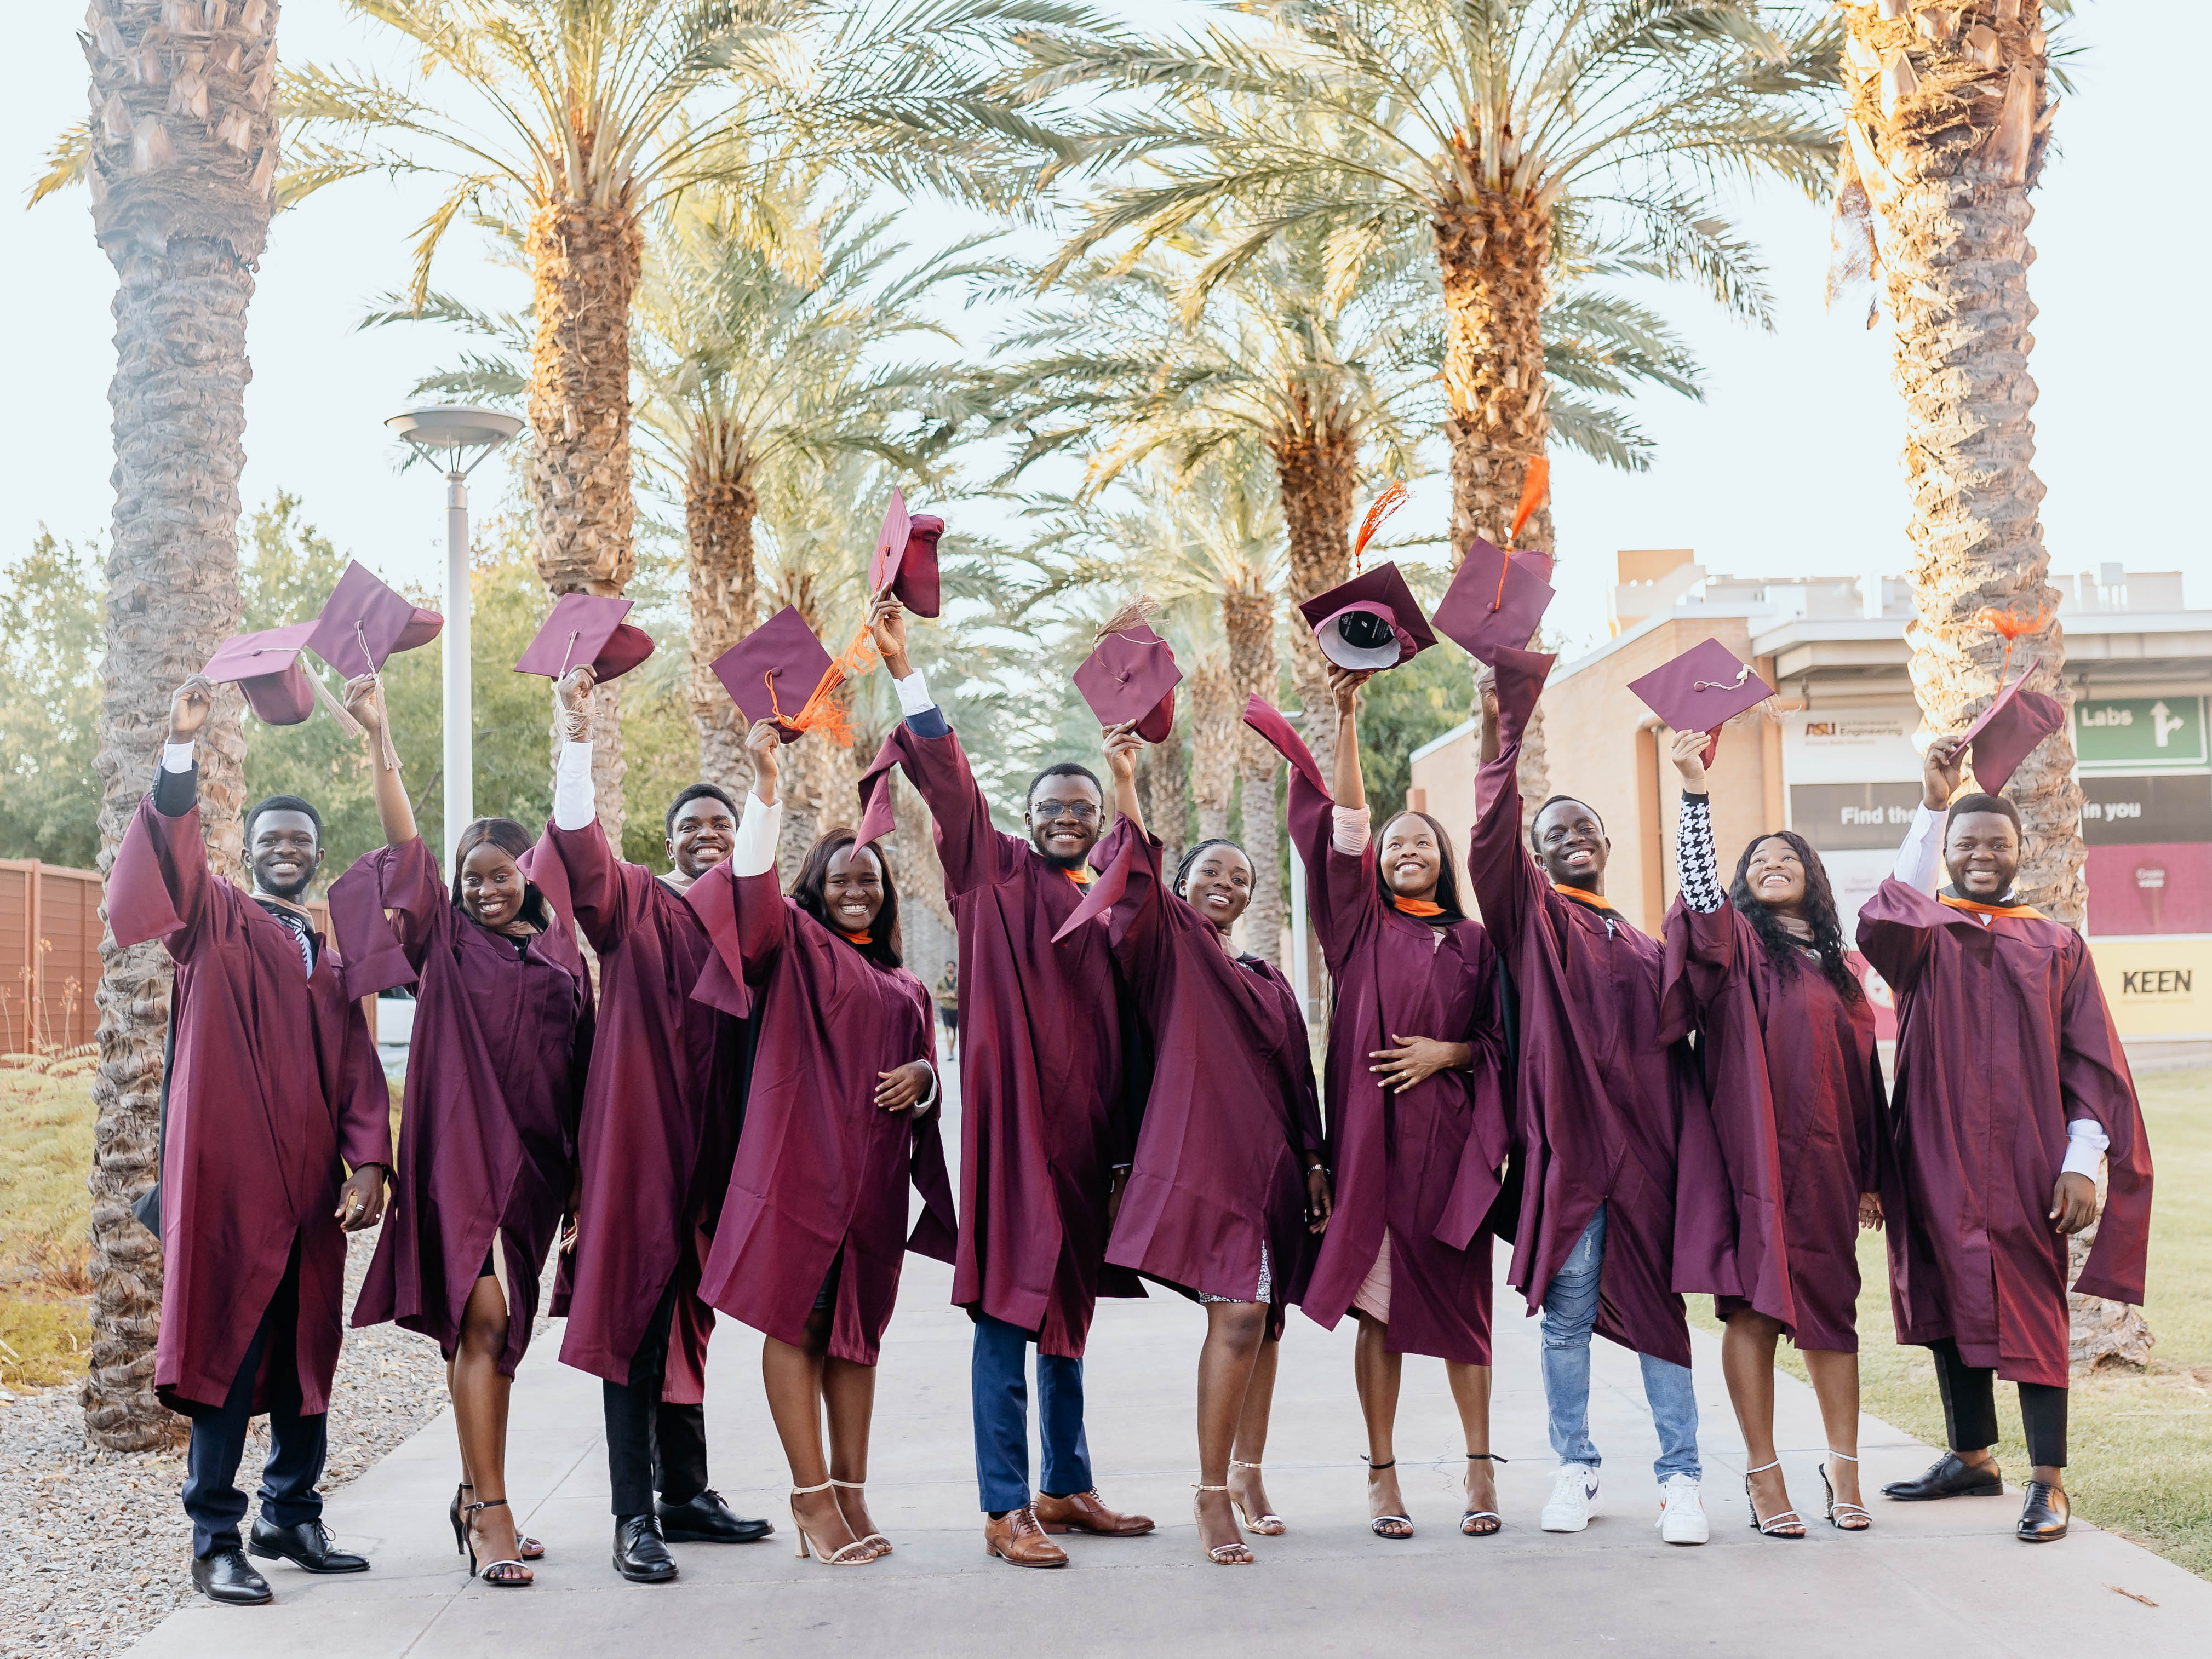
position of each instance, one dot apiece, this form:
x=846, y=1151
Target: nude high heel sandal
x=883, y=1544
x=1269, y=1525
x=1238, y=1554
x=845, y=1557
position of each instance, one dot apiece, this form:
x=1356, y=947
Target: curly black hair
x=1784, y=948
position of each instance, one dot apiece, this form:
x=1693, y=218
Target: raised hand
x=764, y=746
x=887, y=627
x=1344, y=685
x=1938, y=772
x=190, y=705
x=1122, y=745
x=1689, y=757
x=571, y=696
x=364, y=700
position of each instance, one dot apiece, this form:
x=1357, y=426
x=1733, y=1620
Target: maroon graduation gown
x=1603, y=1102
x=1039, y=1065
x=1798, y=1113
x=275, y=1090
x=662, y=1103
x=1423, y=1166
x=494, y=1075
x=820, y=1169
x=1217, y=1163
x=2003, y=1036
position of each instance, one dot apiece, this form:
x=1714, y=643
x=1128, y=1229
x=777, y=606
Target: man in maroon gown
x=271, y=1091
x=2011, y=1086
x=657, y=1132
x=1040, y=1078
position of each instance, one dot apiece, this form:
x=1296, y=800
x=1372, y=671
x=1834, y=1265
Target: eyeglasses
x=1081, y=811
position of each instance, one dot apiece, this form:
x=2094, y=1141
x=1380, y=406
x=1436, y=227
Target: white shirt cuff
x=2086, y=1141
x=914, y=694
x=930, y=1099
x=176, y=756
x=575, y=804
x=1922, y=853
x=754, y=851
x=1349, y=836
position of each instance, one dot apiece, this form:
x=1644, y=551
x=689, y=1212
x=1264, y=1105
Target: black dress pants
x=653, y=1446
x=1970, y=1408
x=297, y=1443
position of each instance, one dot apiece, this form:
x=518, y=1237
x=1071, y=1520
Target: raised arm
x=1506, y=883
x=364, y=700
x=763, y=916
x=158, y=886
x=1347, y=782
x=1122, y=744
x=968, y=845
x=598, y=888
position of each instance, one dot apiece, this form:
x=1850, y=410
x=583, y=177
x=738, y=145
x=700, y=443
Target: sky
x=1788, y=467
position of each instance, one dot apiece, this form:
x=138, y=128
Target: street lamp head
x=454, y=429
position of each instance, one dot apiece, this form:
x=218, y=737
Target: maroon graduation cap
x=365, y=621
x=586, y=628
x=1371, y=622
x=267, y=667
x=772, y=671
x=1701, y=690
x=904, y=563
x=1496, y=599
x=2008, y=730
x=1130, y=675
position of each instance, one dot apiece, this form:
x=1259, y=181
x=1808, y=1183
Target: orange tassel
x=2012, y=627
x=825, y=710
x=1533, y=488
x=1385, y=504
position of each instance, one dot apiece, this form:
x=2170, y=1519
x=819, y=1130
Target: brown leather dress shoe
x=1016, y=1538
x=1086, y=1511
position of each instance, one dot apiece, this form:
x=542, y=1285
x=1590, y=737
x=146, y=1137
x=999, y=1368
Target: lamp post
x=457, y=433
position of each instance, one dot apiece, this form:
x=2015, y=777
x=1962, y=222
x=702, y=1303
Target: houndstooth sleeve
x=1694, y=852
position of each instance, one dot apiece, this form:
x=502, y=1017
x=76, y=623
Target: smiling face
x=1981, y=850
x=492, y=885
x=1066, y=816
x=284, y=854
x=1776, y=876
x=702, y=836
x=1219, y=885
x=853, y=889
x=1410, y=857
x=1572, y=845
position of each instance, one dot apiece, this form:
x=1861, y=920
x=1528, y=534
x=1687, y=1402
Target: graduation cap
x=266, y=666
x=772, y=672
x=1701, y=690
x=2008, y=730
x=1130, y=675
x=586, y=628
x=905, y=559
x=1496, y=599
x=1371, y=622
x=365, y=621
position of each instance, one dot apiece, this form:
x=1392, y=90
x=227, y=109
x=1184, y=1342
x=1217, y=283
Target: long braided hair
x=1784, y=949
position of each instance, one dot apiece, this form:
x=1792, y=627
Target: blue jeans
x=999, y=1375
x=1569, y=1314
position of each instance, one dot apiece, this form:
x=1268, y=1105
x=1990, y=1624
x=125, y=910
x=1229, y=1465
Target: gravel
x=94, y=1547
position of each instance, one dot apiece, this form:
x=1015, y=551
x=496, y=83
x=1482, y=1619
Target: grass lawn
x=2139, y=1444
x=46, y=1256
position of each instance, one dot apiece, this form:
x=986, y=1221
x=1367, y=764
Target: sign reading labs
x=2136, y=731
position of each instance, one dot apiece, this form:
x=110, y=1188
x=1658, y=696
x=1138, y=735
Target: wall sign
x=2162, y=732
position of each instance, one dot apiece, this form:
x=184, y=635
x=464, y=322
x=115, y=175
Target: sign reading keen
x=2134, y=732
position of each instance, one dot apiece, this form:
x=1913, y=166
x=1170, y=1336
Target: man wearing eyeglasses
x=1040, y=1072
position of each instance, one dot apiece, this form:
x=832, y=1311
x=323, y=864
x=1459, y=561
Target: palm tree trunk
x=718, y=522
x=584, y=263
x=1213, y=738
x=1163, y=792
x=184, y=152
x=1948, y=142
x=1317, y=472
x=1248, y=619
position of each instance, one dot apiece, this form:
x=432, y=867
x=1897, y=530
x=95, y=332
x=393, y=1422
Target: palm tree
x=180, y=155
x=1946, y=132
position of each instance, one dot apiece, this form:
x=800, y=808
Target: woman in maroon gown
x=1224, y=1186
x=841, y=1114
x=1767, y=956
x=1418, y=1124
x=487, y=1131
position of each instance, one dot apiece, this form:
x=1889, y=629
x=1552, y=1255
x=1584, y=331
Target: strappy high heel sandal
x=503, y=1575
x=856, y=1553
x=525, y=1546
x=1468, y=1517
x=1236, y=1554
x=1270, y=1525
x=1378, y=1523
x=883, y=1544
x=1773, y=1525
x=1835, y=1510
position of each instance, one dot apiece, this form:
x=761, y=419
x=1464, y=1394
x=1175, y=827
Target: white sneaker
x=1573, y=1500
x=1681, y=1511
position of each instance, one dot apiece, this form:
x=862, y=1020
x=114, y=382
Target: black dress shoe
x=2043, y=1518
x=224, y=1575
x=708, y=1520
x=639, y=1554
x=308, y=1545
x=1948, y=1476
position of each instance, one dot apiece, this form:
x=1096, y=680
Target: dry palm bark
x=184, y=149
x=1214, y=730
x=719, y=508
x=1248, y=621
x=1945, y=136
x=1317, y=472
x=1164, y=793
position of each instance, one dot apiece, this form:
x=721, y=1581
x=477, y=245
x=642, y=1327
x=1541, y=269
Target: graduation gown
x=1608, y=1112
x=1218, y=1147
x=1795, y=1080
x=820, y=1169
x=662, y=1103
x=274, y=1092
x=2003, y=1036
x=494, y=1077
x=1422, y=1167
x=1039, y=1065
